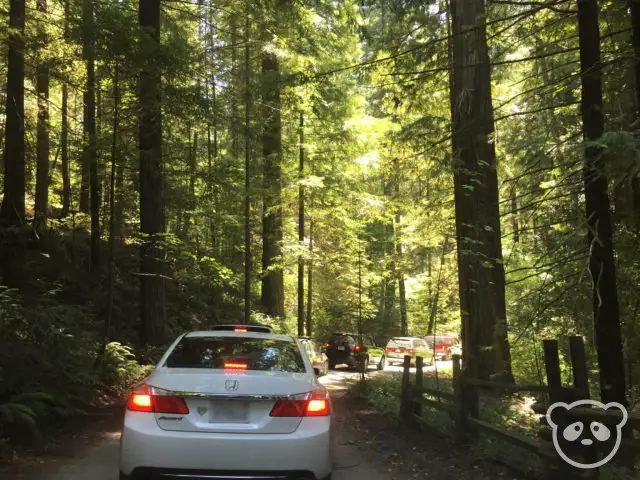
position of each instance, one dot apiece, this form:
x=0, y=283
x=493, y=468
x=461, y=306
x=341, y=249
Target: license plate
x=230, y=412
x=340, y=348
x=398, y=350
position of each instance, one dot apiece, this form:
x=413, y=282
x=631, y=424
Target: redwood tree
x=480, y=269
x=606, y=312
x=152, y=299
x=272, y=274
x=42, y=147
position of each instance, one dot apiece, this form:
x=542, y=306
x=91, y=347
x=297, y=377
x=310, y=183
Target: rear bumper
x=168, y=474
x=147, y=452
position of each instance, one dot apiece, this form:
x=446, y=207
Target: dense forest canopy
x=382, y=166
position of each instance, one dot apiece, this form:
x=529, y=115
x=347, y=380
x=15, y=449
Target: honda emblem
x=231, y=385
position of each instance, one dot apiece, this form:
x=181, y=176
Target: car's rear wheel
x=382, y=363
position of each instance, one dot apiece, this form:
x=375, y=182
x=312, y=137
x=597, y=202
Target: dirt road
x=363, y=450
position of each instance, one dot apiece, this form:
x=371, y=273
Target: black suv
x=354, y=350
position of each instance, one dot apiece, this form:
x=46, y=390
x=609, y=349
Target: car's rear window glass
x=252, y=353
x=343, y=340
x=399, y=342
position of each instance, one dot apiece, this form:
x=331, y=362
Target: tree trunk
x=309, y=318
x=64, y=134
x=42, y=148
x=272, y=274
x=301, y=322
x=193, y=164
x=600, y=236
x=247, y=178
x=404, y=322
x=152, y=301
x=89, y=126
x=13, y=204
x=480, y=269
x=634, y=6
x=12, y=213
x=112, y=194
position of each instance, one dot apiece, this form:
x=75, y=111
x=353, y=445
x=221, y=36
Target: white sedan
x=237, y=402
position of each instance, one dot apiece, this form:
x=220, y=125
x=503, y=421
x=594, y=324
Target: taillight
x=357, y=348
x=240, y=329
x=409, y=351
x=154, y=400
x=317, y=407
x=306, y=405
x=328, y=345
x=390, y=349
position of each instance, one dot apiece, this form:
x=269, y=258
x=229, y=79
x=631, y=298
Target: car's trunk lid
x=230, y=401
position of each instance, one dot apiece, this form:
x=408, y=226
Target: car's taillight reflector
x=170, y=404
x=288, y=408
x=147, y=399
x=315, y=406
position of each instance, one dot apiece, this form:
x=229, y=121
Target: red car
x=445, y=346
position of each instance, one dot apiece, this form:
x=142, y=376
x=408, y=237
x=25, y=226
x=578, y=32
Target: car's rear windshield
x=402, y=342
x=441, y=340
x=248, y=353
x=343, y=340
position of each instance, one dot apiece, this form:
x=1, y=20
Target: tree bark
x=112, y=194
x=634, y=6
x=247, y=178
x=89, y=126
x=404, y=322
x=152, y=302
x=272, y=274
x=193, y=164
x=301, y=323
x=64, y=134
x=309, y=318
x=480, y=269
x=42, y=148
x=602, y=268
x=12, y=212
x=13, y=204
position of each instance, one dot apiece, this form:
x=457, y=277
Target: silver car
x=398, y=347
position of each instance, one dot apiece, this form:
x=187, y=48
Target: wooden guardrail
x=462, y=406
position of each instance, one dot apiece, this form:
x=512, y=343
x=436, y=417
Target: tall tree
x=404, y=322
x=64, y=133
x=152, y=224
x=13, y=204
x=42, y=146
x=606, y=312
x=480, y=269
x=90, y=157
x=272, y=273
x=247, y=175
x=12, y=212
x=301, y=323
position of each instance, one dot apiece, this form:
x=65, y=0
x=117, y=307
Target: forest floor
x=368, y=446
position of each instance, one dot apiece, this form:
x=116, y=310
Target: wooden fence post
x=579, y=366
x=552, y=366
x=417, y=406
x=459, y=410
x=405, y=398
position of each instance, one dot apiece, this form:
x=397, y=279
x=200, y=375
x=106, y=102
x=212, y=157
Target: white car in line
x=236, y=402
